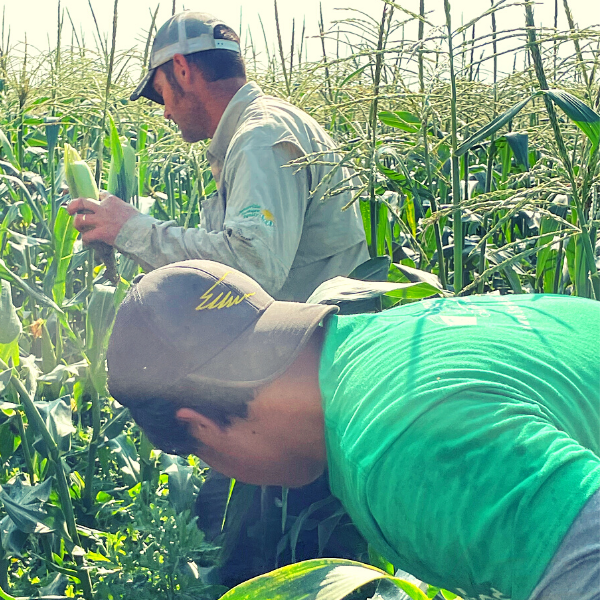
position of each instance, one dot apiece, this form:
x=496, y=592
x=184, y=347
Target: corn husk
x=82, y=184
x=121, y=175
x=80, y=180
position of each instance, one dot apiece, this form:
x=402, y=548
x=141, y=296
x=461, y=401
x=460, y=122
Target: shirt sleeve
x=266, y=202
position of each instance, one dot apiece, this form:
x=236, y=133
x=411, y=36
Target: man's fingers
x=75, y=206
x=92, y=235
x=80, y=204
x=100, y=220
x=85, y=222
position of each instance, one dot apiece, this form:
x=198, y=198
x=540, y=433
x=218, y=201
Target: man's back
x=276, y=223
x=256, y=138
x=463, y=434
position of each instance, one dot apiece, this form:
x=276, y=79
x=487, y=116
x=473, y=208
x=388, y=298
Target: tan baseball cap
x=206, y=322
x=184, y=33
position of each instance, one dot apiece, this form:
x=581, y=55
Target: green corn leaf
x=302, y=519
x=5, y=377
x=8, y=440
x=25, y=241
x=327, y=578
x=577, y=265
x=353, y=75
x=52, y=131
x=365, y=211
x=374, y=269
x=26, y=213
x=519, y=144
x=10, y=352
x=13, y=278
x=31, y=202
x=328, y=528
x=58, y=419
x=143, y=168
x=7, y=149
x=116, y=161
x=232, y=484
x=402, y=273
x=11, y=215
x=181, y=488
x=65, y=235
x=228, y=505
x=384, y=231
x=409, y=213
x=580, y=113
x=121, y=175
x=23, y=504
x=380, y=562
x=492, y=127
x=100, y=318
x=10, y=325
x=48, y=353
x=544, y=263
x=123, y=450
x=400, y=120
x=349, y=293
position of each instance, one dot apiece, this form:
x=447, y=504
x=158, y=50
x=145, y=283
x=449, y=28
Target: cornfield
x=472, y=182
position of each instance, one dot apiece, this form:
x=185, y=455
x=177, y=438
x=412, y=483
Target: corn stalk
x=563, y=153
x=34, y=417
x=456, y=213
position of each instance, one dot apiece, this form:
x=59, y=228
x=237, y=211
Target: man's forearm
x=153, y=243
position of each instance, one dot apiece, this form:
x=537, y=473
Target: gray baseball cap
x=208, y=323
x=184, y=33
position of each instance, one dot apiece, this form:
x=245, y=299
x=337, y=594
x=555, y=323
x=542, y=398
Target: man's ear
x=185, y=73
x=200, y=426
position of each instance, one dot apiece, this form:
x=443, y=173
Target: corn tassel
x=82, y=185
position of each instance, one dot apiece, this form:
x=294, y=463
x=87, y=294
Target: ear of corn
x=121, y=175
x=82, y=184
x=80, y=180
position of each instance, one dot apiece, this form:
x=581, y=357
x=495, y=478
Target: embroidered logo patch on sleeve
x=254, y=210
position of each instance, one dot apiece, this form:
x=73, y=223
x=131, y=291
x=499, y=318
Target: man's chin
x=293, y=478
x=192, y=137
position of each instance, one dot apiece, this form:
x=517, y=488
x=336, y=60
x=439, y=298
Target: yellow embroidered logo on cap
x=227, y=301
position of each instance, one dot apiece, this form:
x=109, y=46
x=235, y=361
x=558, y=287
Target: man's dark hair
x=213, y=64
x=156, y=413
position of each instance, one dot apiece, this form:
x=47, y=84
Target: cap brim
x=266, y=349
x=146, y=89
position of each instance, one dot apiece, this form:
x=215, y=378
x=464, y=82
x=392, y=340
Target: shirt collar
x=229, y=121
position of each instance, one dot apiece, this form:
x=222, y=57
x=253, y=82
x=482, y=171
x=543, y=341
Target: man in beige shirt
x=284, y=226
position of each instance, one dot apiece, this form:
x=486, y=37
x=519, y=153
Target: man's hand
x=100, y=221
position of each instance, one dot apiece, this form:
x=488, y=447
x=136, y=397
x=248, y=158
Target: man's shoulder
x=268, y=120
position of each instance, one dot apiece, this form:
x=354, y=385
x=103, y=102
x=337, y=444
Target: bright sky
x=37, y=18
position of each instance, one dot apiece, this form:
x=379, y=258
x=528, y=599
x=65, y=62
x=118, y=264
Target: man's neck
x=292, y=404
x=218, y=96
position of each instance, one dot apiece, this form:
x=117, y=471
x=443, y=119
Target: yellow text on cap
x=218, y=303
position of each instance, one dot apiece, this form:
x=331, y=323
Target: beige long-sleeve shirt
x=267, y=220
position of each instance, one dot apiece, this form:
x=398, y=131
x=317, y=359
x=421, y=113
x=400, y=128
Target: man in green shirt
x=461, y=435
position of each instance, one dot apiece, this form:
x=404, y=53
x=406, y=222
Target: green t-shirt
x=463, y=435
